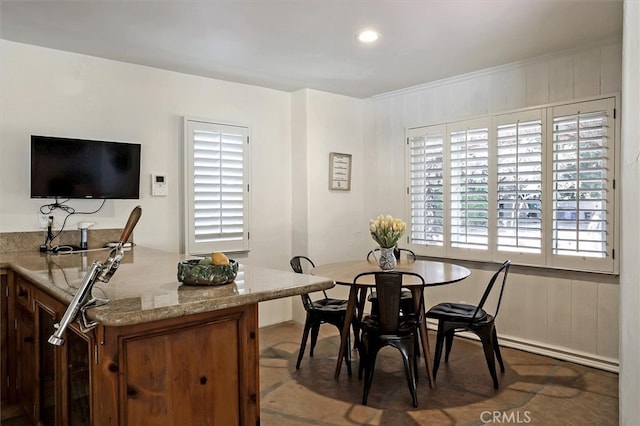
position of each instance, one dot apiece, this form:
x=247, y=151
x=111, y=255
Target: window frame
x=546, y=259
x=190, y=245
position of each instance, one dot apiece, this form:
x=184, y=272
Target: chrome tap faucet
x=102, y=271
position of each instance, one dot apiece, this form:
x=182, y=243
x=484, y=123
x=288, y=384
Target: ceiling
x=293, y=44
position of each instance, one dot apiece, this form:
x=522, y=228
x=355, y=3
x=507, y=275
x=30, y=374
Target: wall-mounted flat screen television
x=80, y=168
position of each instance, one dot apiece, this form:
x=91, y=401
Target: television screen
x=79, y=168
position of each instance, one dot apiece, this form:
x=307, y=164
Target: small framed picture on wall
x=339, y=171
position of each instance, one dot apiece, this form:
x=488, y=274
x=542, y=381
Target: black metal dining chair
x=453, y=317
x=390, y=327
x=325, y=310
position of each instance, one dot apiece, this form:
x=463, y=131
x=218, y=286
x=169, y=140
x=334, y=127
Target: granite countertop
x=145, y=287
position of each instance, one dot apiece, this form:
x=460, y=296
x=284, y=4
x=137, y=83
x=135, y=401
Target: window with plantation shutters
x=469, y=187
x=426, y=187
x=216, y=187
x=536, y=186
x=519, y=182
x=582, y=180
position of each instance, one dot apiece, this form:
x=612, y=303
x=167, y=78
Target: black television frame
x=68, y=168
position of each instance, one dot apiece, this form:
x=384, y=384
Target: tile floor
x=534, y=390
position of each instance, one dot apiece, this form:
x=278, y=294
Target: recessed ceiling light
x=367, y=36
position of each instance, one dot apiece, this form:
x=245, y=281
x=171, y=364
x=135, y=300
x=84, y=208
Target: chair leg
x=487, y=346
x=449, y=343
x=408, y=359
x=362, y=355
x=416, y=344
x=303, y=343
x=496, y=348
x=355, y=324
x=347, y=355
x=315, y=330
x=438, y=353
x=370, y=366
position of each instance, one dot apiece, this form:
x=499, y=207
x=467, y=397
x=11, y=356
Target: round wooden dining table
x=434, y=273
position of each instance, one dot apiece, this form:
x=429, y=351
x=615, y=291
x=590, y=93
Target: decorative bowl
x=191, y=272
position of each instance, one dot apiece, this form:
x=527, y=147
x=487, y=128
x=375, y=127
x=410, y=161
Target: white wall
x=57, y=93
x=329, y=226
x=629, y=265
x=567, y=315
x=50, y=92
x=336, y=224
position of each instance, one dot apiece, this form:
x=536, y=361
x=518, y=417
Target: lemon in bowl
x=219, y=258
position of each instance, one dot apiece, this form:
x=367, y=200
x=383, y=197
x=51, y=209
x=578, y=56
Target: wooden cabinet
x=39, y=373
x=196, y=369
x=25, y=380
x=46, y=317
x=76, y=379
x=23, y=337
x=4, y=334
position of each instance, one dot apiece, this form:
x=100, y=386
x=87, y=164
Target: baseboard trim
x=583, y=358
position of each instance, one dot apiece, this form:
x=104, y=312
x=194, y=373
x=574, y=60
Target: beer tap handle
x=113, y=261
x=134, y=217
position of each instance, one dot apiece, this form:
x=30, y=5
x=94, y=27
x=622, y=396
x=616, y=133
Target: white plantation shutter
x=519, y=183
x=426, y=186
x=582, y=180
x=469, y=187
x=536, y=186
x=217, y=158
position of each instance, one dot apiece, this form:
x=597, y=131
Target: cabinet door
x=77, y=367
x=52, y=383
x=190, y=375
x=45, y=317
x=25, y=361
x=63, y=371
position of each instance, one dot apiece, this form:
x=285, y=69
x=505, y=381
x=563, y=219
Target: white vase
x=387, y=260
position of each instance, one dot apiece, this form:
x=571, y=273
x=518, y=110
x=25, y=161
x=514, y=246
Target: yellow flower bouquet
x=387, y=230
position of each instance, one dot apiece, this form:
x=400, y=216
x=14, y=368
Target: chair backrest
x=300, y=265
x=499, y=276
x=389, y=289
x=397, y=252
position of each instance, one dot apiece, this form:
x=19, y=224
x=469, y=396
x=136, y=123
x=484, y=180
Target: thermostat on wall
x=159, y=186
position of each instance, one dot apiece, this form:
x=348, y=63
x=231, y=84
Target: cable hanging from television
x=48, y=209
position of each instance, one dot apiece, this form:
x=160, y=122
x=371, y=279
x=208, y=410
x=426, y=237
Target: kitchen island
x=162, y=352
